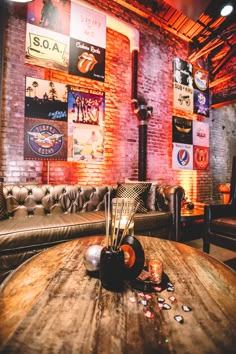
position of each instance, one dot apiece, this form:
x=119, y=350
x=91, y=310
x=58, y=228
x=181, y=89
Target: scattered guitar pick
x=161, y=299
x=143, y=302
x=186, y=308
x=169, y=284
x=148, y=314
x=170, y=288
x=160, y=306
x=179, y=319
x=166, y=306
x=172, y=298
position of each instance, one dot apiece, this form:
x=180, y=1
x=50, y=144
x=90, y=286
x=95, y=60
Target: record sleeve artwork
x=45, y=120
x=190, y=138
x=63, y=35
x=191, y=88
x=85, y=125
x=63, y=122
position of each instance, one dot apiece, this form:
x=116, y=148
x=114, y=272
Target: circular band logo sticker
x=183, y=157
x=45, y=140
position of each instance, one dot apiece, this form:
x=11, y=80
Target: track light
x=226, y=10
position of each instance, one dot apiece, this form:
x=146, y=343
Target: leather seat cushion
x=17, y=233
x=29, y=232
x=225, y=226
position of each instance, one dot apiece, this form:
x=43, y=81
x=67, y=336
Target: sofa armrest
x=173, y=196
x=215, y=211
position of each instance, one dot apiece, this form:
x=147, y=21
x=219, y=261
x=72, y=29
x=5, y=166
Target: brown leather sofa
x=41, y=216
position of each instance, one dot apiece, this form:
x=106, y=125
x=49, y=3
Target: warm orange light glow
x=188, y=180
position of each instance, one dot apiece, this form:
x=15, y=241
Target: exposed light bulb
x=226, y=10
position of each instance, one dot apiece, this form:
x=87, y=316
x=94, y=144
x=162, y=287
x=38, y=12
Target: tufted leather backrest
x=24, y=200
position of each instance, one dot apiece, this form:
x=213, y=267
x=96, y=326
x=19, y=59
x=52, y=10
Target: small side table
x=192, y=222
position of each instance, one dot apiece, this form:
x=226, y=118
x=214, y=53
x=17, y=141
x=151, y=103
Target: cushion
x=3, y=206
x=151, y=197
x=162, y=202
x=138, y=191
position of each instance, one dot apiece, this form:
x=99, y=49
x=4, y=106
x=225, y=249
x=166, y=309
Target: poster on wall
x=46, y=48
x=87, y=43
x=63, y=35
x=85, y=124
x=45, y=140
x=182, y=130
x=190, y=144
x=45, y=99
x=200, y=158
x=191, y=88
x=183, y=85
x=182, y=156
x=201, y=91
x=53, y=15
x=200, y=133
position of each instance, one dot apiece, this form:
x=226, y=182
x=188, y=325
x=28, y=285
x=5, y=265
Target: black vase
x=111, y=269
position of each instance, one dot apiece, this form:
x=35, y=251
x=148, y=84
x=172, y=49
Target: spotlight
x=226, y=10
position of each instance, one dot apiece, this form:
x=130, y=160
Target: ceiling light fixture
x=226, y=10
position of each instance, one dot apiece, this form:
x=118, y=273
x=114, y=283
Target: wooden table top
x=51, y=305
x=195, y=213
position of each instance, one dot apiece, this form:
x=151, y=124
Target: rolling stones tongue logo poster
x=86, y=60
x=87, y=43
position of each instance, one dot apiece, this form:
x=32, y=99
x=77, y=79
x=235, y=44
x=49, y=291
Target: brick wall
x=157, y=48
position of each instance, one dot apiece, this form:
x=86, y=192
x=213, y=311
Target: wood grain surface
x=50, y=304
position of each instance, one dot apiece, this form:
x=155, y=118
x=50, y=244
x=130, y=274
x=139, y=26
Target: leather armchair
x=220, y=220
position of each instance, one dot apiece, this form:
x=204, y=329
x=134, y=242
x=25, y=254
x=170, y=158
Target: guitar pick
x=179, y=319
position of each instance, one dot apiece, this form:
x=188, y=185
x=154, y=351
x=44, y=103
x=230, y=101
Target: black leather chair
x=220, y=220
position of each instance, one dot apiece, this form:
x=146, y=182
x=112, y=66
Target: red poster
x=200, y=158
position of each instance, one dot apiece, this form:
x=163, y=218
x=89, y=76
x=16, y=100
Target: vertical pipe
x=134, y=93
x=142, y=161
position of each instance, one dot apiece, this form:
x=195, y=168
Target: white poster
x=200, y=134
x=88, y=25
x=182, y=156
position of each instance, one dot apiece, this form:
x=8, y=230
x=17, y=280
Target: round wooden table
x=50, y=304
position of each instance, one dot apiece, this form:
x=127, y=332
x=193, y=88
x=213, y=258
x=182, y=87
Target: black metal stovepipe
x=142, y=161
